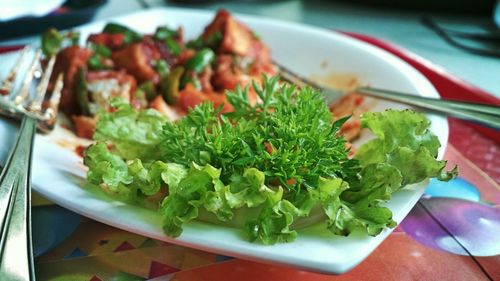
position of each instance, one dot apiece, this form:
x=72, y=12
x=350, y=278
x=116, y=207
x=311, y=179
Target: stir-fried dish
x=162, y=70
x=205, y=128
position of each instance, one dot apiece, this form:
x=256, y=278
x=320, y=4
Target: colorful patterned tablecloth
x=453, y=233
x=428, y=244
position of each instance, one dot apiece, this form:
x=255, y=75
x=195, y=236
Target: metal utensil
x=16, y=255
x=481, y=113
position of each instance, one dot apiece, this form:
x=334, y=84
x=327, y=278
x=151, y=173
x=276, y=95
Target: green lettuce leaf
x=133, y=134
x=248, y=190
x=377, y=182
x=402, y=153
x=200, y=188
x=105, y=167
x=131, y=180
x=403, y=140
x=273, y=224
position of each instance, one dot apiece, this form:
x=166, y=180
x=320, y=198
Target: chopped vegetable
x=214, y=39
x=53, y=41
x=173, y=46
x=169, y=85
x=196, y=44
x=101, y=50
x=101, y=53
x=149, y=89
x=189, y=78
x=163, y=32
x=130, y=35
x=82, y=92
x=139, y=99
x=200, y=60
x=161, y=67
x=95, y=63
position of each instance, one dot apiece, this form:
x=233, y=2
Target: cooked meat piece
x=241, y=56
x=84, y=126
x=136, y=59
x=351, y=129
x=227, y=76
x=345, y=106
x=205, y=78
x=106, y=85
x=160, y=105
x=122, y=77
x=112, y=41
x=189, y=97
x=186, y=55
x=258, y=68
x=237, y=38
x=68, y=62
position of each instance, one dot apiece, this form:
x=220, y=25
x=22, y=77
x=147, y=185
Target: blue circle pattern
x=457, y=188
x=451, y=217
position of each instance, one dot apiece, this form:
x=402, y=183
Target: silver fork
x=485, y=114
x=16, y=253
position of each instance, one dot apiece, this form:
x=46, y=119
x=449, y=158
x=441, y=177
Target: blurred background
x=463, y=36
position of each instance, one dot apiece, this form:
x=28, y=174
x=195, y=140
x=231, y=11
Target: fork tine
x=25, y=88
x=56, y=96
x=49, y=116
x=7, y=83
x=41, y=89
x=23, y=103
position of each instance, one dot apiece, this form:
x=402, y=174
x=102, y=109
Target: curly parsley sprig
x=289, y=136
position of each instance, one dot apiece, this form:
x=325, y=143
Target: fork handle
x=16, y=251
x=485, y=114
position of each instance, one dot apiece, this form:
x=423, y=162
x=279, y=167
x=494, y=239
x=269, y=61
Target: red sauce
x=80, y=149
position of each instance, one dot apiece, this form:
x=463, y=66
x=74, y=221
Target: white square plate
x=59, y=175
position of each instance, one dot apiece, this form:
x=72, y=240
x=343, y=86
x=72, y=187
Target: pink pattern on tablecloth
x=483, y=152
